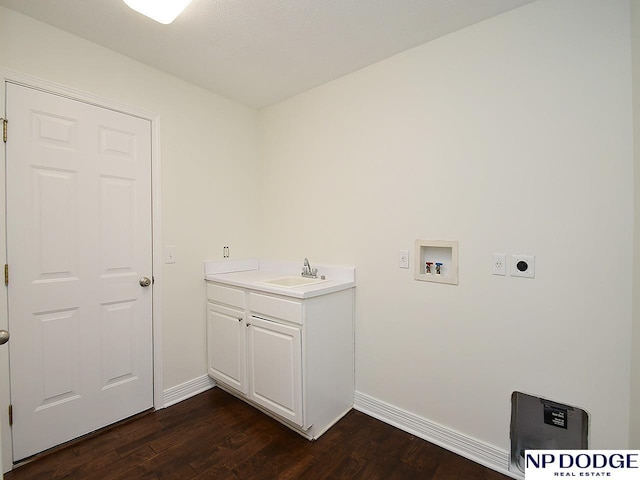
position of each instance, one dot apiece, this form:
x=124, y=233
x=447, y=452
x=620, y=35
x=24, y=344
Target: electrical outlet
x=404, y=258
x=499, y=264
x=523, y=266
x=170, y=254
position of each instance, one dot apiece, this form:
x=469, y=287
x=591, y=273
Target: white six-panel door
x=78, y=241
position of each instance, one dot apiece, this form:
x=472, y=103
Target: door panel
x=78, y=240
x=56, y=222
x=227, y=346
x=118, y=321
x=117, y=215
x=60, y=357
x=275, y=357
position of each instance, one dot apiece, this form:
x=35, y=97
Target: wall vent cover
x=541, y=424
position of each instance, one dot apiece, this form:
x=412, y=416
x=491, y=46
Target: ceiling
x=259, y=52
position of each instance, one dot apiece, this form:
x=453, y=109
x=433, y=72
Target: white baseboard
x=186, y=390
x=479, y=452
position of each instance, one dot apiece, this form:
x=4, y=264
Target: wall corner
x=634, y=426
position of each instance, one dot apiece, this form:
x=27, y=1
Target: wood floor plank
x=216, y=436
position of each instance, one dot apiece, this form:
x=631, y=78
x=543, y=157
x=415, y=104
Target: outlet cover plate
x=523, y=266
x=404, y=258
x=499, y=264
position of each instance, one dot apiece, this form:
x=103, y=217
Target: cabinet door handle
x=248, y=324
x=239, y=319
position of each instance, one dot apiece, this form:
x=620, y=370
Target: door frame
x=156, y=217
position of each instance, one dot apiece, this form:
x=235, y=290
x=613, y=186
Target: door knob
x=145, y=281
x=4, y=337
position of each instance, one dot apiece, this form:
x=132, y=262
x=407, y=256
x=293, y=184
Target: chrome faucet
x=307, y=271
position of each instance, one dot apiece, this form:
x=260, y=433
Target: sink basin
x=293, y=281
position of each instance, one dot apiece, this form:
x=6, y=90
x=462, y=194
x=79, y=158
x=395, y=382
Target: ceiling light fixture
x=163, y=11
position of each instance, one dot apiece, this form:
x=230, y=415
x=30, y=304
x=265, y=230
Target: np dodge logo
x=610, y=464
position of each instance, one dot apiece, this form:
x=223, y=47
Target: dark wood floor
x=216, y=436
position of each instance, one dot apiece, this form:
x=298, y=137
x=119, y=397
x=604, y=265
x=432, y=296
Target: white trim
x=62, y=90
x=156, y=219
x=74, y=94
x=188, y=389
x=475, y=450
x=5, y=431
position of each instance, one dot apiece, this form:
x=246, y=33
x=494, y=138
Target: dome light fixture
x=162, y=11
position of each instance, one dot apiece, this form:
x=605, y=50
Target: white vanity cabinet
x=290, y=357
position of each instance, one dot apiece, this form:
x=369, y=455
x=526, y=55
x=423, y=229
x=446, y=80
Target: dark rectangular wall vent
x=541, y=424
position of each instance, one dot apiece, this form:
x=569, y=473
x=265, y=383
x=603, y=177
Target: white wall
x=634, y=437
x=209, y=174
x=514, y=136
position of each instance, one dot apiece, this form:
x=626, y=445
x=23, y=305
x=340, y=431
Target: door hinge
x=10, y=415
x=6, y=274
x=4, y=129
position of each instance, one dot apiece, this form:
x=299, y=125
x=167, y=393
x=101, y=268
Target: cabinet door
x=275, y=358
x=227, y=346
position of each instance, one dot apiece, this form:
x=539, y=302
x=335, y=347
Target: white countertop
x=251, y=274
